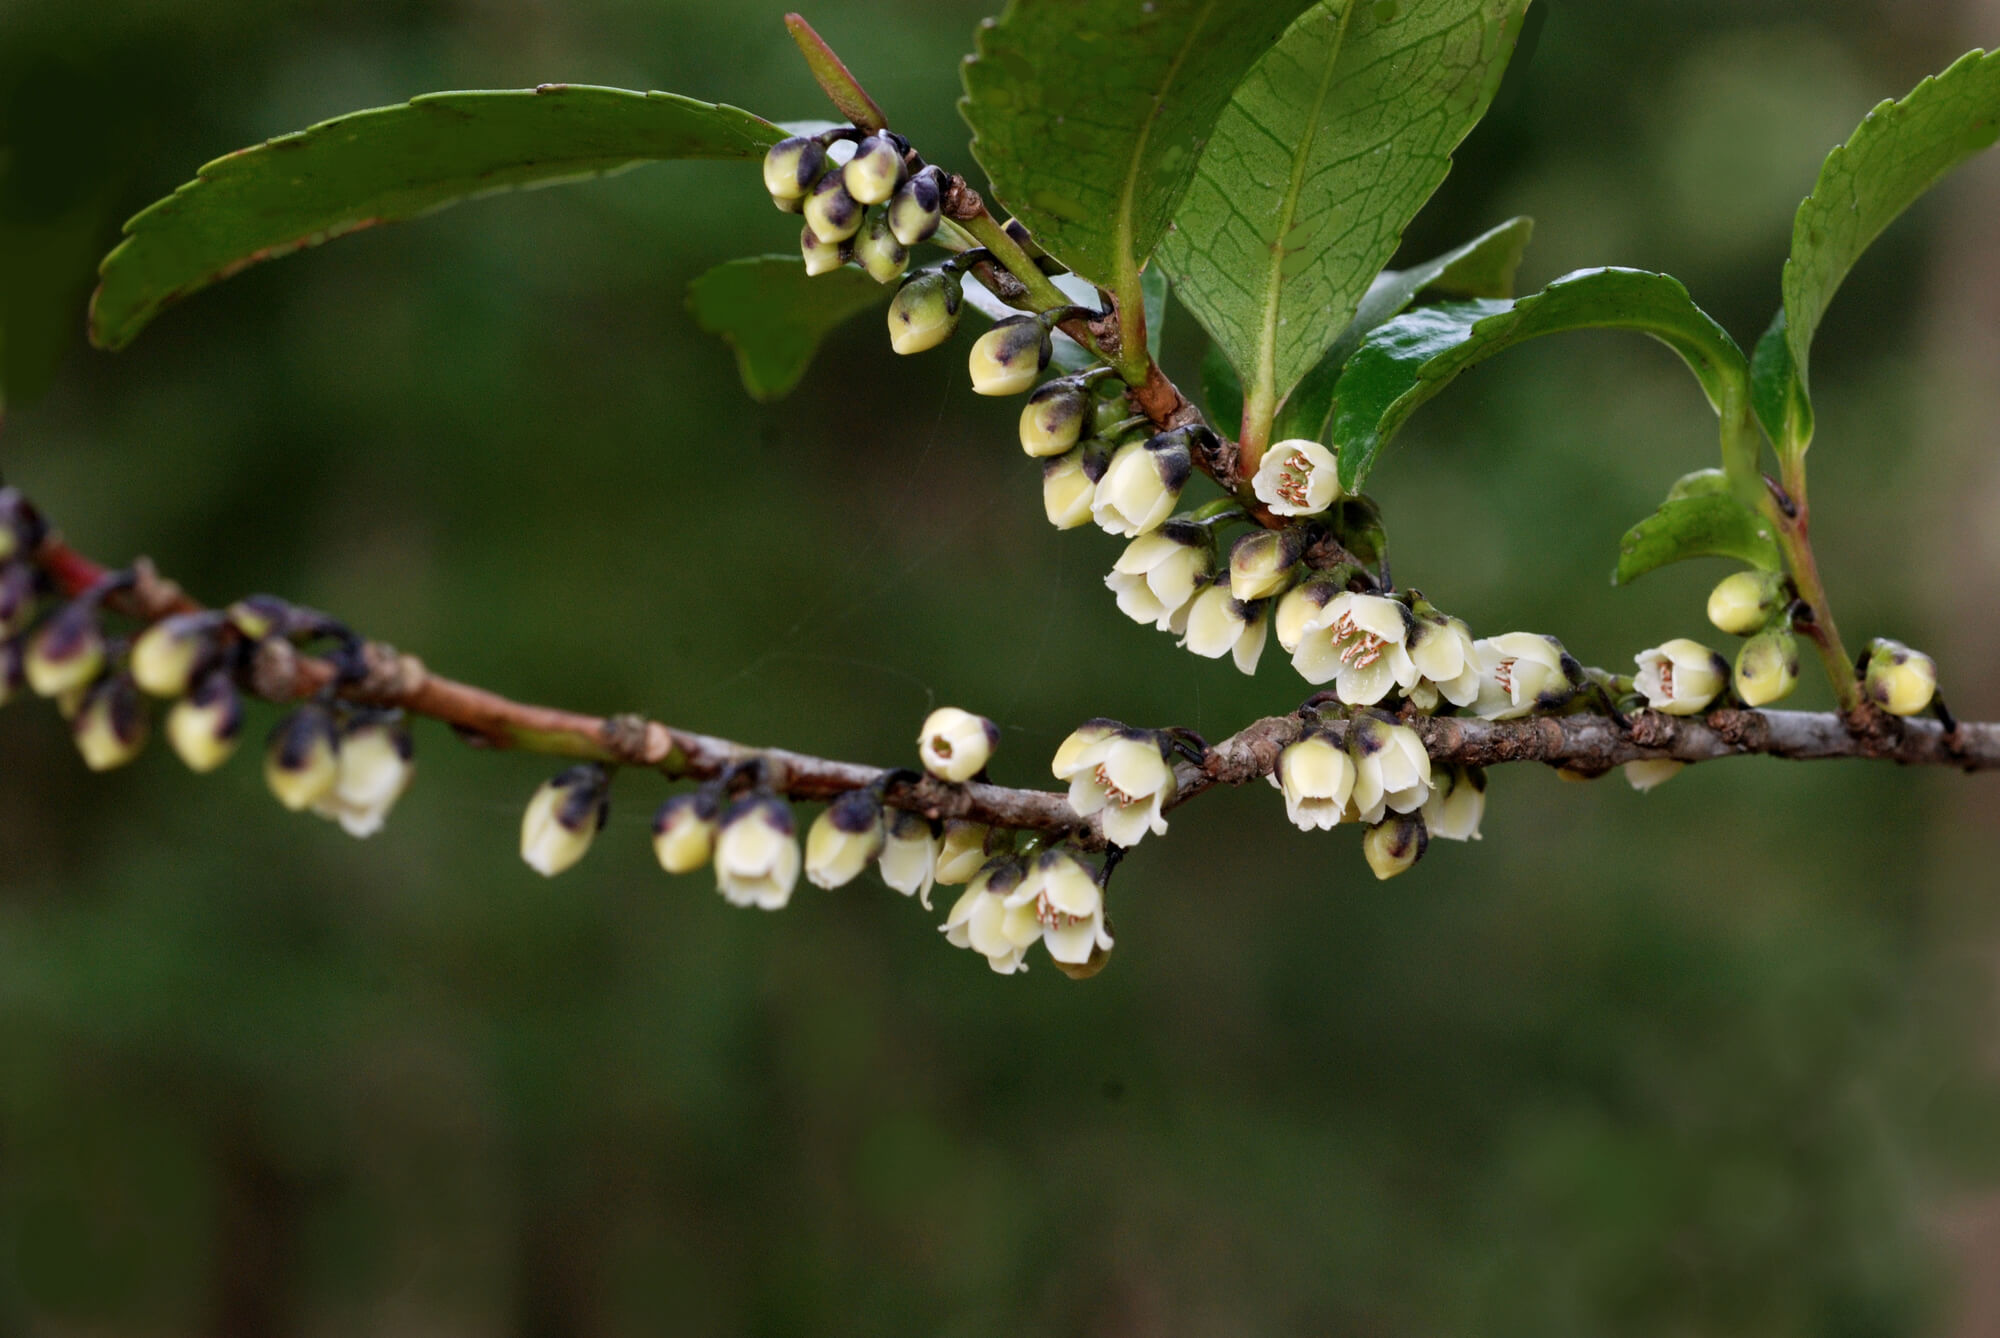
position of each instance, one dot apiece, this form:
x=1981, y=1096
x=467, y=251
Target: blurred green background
x=1715, y=1060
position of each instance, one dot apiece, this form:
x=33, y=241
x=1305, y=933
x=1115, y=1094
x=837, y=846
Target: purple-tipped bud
x=205, y=726
x=67, y=651
x=792, y=166
x=564, y=818
x=1007, y=359
x=924, y=311
x=873, y=173
x=302, y=757
x=878, y=251
x=167, y=656
x=112, y=725
x=917, y=207
x=830, y=211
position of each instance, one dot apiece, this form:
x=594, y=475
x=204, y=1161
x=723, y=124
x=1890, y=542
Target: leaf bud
x=821, y=256
x=1220, y=624
x=873, y=173
x=1395, y=844
x=1262, y=563
x=376, y=767
x=1142, y=484
x=909, y=858
x=757, y=853
x=1007, y=359
x=846, y=835
x=956, y=745
x=67, y=651
x=564, y=817
x=1297, y=478
x=111, y=727
x=792, y=166
x=1053, y=419
x=831, y=213
x=879, y=252
x=917, y=207
x=205, y=726
x=965, y=848
x=1110, y=411
x=1680, y=677
x=17, y=598
x=167, y=655
x=1767, y=668
x=924, y=311
x=302, y=757
x=1744, y=602
x=684, y=830
x=1069, y=485
x=1899, y=680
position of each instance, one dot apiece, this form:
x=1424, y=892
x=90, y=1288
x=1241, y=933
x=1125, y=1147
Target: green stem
x=986, y=230
x=1794, y=541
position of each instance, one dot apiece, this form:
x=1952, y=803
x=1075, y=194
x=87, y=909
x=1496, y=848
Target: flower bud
x=1297, y=478
x=21, y=528
x=1443, y=651
x=17, y=598
x=111, y=727
x=757, y=853
x=1456, y=805
x=13, y=679
x=917, y=207
x=1083, y=743
x=166, y=656
x=843, y=839
x=375, y=769
x=302, y=757
x=1745, y=602
x=1062, y=903
x=964, y=850
x=1263, y=562
x=66, y=652
x=924, y=311
x=684, y=830
x=879, y=252
x=1300, y=606
x=1007, y=359
x=205, y=726
x=1899, y=680
x=1767, y=668
x=1680, y=677
x=873, y=173
x=1317, y=778
x=980, y=920
x=831, y=213
x=956, y=745
x=1650, y=772
x=564, y=817
x=1392, y=771
x=792, y=166
x=909, y=857
x=1219, y=624
x=260, y=616
x=1158, y=574
x=821, y=256
x=1393, y=845
x=1069, y=485
x=1125, y=774
x=1053, y=418
x=1142, y=484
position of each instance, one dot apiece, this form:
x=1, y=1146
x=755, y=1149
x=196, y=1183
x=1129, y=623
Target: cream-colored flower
x=1158, y=573
x=980, y=920
x=1680, y=677
x=1443, y=651
x=757, y=854
x=1141, y=485
x=1264, y=562
x=1069, y=485
x=1650, y=773
x=1297, y=478
x=1359, y=643
x=956, y=745
x=909, y=859
x=1218, y=624
x=847, y=834
x=1299, y=605
x=1457, y=804
x=1126, y=775
x=684, y=830
x=1899, y=680
x=1066, y=904
x=205, y=726
x=1518, y=673
x=375, y=769
x=563, y=819
x=1317, y=778
x=1395, y=844
x=302, y=758
x=1392, y=771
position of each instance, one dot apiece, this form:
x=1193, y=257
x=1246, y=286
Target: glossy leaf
x=1406, y=361
x=389, y=164
x=1702, y=524
x=774, y=316
x=1899, y=151
x=1088, y=115
x=1483, y=267
x=1221, y=392
x=1329, y=147
x=1776, y=393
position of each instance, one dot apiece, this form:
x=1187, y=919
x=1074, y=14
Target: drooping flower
x=1264, y=562
x=1457, y=804
x=1065, y=902
x=1392, y=770
x=1395, y=844
x=966, y=847
x=909, y=858
x=1125, y=774
x=979, y=919
x=1218, y=624
x=1007, y=359
x=302, y=757
x=1446, y=659
x=1649, y=773
x=205, y=726
x=375, y=769
x=684, y=830
x=757, y=853
x=1317, y=778
x=564, y=817
x=1359, y=643
x=1142, y=484
x=111, y=727
x=847, y=835
x=1158, y=573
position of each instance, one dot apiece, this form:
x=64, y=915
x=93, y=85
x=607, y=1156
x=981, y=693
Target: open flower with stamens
x=1218, y=624
x=757, y=853
x=1681, y=676
x=1297, y=478
x=956, y=745
x=1519, y=672
x=1125, y=774
x=1158, y=573
x=1358, y=642
x=909, y=855
x=1442, y=649
x=1062, y=895
x=1457, y=803
x=1392, y=770
x=979, y=919
x=1317, y=778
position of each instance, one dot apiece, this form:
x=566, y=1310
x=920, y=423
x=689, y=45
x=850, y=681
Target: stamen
x=1503, y=674
x=1049, y=917
x=1117, y=796
x=1667, y=678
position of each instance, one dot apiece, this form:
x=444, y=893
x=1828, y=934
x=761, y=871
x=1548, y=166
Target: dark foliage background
x=1715, y=1060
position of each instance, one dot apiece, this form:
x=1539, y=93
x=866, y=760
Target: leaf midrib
x=1126, y=269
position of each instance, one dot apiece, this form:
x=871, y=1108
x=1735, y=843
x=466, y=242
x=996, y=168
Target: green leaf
x=1153, y=286
x=1405, y=362
x=1088, y=115
x=1325, y=153
x=1703, y=524
x=774, y=316
x=389, y=164
x=1776, y=392
x=1221, y=392
x=1483, y=267
x=1899, y=151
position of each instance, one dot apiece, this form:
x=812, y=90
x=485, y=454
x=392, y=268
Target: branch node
x=274, y=670
x=625, y=737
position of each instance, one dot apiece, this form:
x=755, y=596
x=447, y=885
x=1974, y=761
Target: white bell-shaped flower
x=1158, y=573
x=1442, y=649
x=684, y=830
x=1392, y=770
x=1125, y=774
x=1317, y=778
x=1457, y=803
x=757, y=853
x=1519, y=672
x=1297, y=478
x=563, y=819
x=981, y=921
x=1066, y=902
x=843, y=839
x=1681, y=676
x=376, y=767
x=909, y=858
x=1219, y=624
x=1359, y=642
x=1141, y=485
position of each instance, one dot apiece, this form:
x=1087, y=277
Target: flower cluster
x=866, y=198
